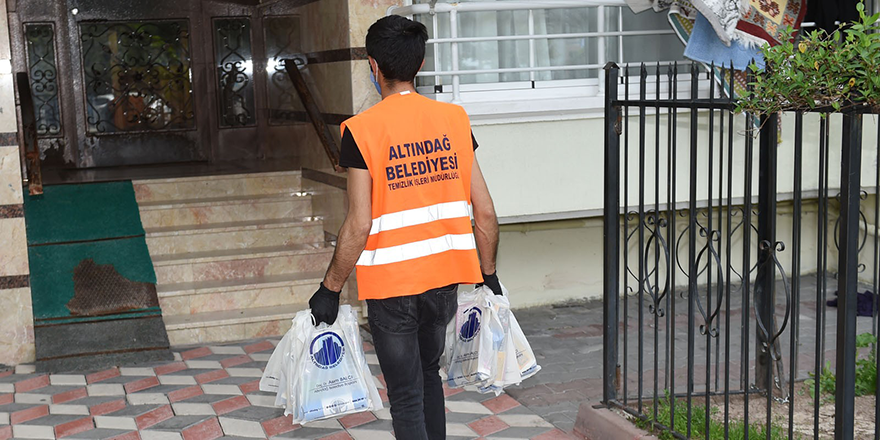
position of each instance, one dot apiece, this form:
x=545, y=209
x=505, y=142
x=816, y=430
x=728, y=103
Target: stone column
x=16, y=313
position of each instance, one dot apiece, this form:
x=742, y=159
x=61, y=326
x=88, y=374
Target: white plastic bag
x=470, y=361
x=321, y=372
x=275, y=376
x=331, y=378
x=507, y=373
x=271, y=380
x=300, y=330
x=475, y=337
x=525, y=357
x=350, y=326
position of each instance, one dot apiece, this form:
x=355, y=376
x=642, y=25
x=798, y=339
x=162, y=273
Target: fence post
x=765, y=280
x=850, y=182
x=611, y=230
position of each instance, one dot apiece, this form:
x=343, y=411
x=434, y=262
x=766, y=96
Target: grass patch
x=866, y=372
x=737, y=429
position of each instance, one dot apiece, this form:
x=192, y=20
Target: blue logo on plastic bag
x=471, y=326
x=327, y=350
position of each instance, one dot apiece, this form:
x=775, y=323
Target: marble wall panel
x=5, y=52
x=16, y=313
x=13, y=247
x=323, y=25
x=7, y=93
x=362, y=14
x=329, y=203
x=10, y=176
x=332, y=84
x=309, y=150
x=16, y=327
x=8, y=122
x=363, y=92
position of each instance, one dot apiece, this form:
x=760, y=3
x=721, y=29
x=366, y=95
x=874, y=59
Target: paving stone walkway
x=211, y=392
x=567, y=340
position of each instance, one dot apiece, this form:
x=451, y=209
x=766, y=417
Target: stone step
x=231, y=325
x=228, y=264
x=189, y=188
x=225, y=209
x=233, y=235
x=186, y=299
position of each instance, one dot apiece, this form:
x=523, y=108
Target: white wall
x=556, y=168
x=551, y=262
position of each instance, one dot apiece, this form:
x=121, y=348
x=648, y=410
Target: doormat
x=84, y=212
x=92, y=280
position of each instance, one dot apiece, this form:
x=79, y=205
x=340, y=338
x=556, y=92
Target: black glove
x=324, y=305
x=491, y=281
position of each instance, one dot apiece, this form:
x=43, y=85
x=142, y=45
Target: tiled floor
x=212, y=392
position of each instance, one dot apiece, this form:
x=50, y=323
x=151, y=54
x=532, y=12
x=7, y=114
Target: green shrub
x=820, y=70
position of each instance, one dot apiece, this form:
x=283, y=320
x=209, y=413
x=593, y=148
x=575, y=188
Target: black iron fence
x=726, y=237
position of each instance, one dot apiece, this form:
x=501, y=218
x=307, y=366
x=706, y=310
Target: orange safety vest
x=420, y=155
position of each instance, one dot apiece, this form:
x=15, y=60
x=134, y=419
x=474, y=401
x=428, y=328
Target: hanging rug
x=766, y=19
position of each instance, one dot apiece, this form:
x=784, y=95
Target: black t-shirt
x=350, y=155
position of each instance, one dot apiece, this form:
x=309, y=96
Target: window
x=493, y=44
x=535, y=60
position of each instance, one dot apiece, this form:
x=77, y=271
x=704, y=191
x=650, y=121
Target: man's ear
x=372, y=64
x=423, y=65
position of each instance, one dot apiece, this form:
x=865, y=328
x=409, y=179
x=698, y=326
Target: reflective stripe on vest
x=420, y=216
x=418, y=249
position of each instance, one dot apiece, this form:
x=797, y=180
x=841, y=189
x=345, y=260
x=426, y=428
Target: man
x=412, y=179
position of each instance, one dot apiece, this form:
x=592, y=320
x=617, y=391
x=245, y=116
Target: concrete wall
x=16, y=324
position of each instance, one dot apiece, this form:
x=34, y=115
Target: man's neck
x=396, y=88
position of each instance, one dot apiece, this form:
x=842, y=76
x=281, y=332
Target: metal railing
x=453, y=10
x=33, y=174
x=313, y=111
x=715, y=288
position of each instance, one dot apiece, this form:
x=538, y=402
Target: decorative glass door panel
x=282, y=41
x=43, y=73
x=137, y=76
x=129, y=83
x=235, y=71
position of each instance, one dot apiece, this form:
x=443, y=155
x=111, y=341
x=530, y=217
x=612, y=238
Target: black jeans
x=402, y=327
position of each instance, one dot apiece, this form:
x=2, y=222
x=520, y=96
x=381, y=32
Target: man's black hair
x=398, y=46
